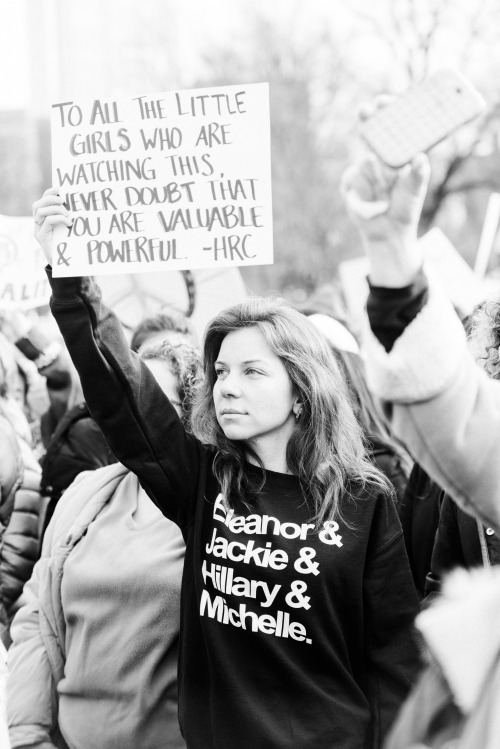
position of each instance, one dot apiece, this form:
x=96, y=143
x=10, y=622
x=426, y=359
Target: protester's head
x=309, y=407
x=166, y=325
x=63, y=385
x=178, y=371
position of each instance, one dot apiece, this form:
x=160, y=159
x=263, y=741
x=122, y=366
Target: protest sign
x=23, y=283
x=171, y=181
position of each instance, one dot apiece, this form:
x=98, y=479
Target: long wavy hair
x=326, y=450
x=367, y=409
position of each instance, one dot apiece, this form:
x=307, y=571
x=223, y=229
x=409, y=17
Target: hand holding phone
x=421, y=117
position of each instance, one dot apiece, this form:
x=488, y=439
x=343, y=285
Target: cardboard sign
x=170, y=181
x=23, y=283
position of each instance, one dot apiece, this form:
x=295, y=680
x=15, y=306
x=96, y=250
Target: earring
x=297, y=414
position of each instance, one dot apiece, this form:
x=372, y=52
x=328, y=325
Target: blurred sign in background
x=322, y=59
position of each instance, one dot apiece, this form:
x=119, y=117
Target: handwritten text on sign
x=171, y=181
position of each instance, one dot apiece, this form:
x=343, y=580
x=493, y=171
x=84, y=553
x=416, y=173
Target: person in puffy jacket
x=21, y=538
x=94, y=654
x=11, y=471
x=10, y=476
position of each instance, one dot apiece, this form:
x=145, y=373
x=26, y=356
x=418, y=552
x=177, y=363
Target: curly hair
x=484, y=337
x=185, y=363
x=163, y=321
x=326, y=450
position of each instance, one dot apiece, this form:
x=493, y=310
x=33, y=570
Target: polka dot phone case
x=421, y=117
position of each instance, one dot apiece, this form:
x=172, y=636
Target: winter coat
x=419, y=514
x=38, y=655
x=20, y=544
x=22, y=536
x=11, y=471
x=444, y=407
x=455, y=701
x=460, y=542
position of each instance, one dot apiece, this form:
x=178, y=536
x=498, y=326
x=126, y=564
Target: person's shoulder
x=371, y=504
x=360, y=502
x=84, y=498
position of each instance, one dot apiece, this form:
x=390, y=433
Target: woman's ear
x=297, y=408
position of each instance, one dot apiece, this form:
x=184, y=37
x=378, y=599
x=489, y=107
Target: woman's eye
x=250, y=370
x=220, y=373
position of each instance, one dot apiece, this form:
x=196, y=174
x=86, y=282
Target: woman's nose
x=230, y=386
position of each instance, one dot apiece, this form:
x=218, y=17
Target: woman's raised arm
x=139, y=423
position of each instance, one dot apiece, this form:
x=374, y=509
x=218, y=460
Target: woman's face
x=167, y=380
x=253, y=394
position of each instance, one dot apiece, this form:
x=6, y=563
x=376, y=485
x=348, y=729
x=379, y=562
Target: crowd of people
x=248, y=543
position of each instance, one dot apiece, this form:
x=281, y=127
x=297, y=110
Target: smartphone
x=421, y=117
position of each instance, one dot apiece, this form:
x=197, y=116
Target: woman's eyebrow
x=247, y=361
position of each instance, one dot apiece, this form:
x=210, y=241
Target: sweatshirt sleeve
x=140, y=425
x=391, y=605
x=32, y=697
x=391, y=310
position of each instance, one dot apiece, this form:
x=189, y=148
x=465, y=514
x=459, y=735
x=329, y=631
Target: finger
x=357, y=179
x=365, y=209
x=56, y=208
x=42, y=214
x=368, y=109
x=358, y=196
x=47, y=200
x=47, y=226
x=49, y=191
x=419, y=173
x=348, y=179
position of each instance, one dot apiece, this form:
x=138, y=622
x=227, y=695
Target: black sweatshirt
x=288, y=638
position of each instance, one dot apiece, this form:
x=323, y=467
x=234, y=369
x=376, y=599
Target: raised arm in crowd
x=444, y=406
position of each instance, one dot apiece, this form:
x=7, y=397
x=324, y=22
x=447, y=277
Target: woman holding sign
x=297, y=598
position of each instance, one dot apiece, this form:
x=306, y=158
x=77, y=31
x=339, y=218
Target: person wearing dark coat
x=11, y=470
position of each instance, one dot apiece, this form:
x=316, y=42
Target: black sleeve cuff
x=65, y=289
x=391, y=310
